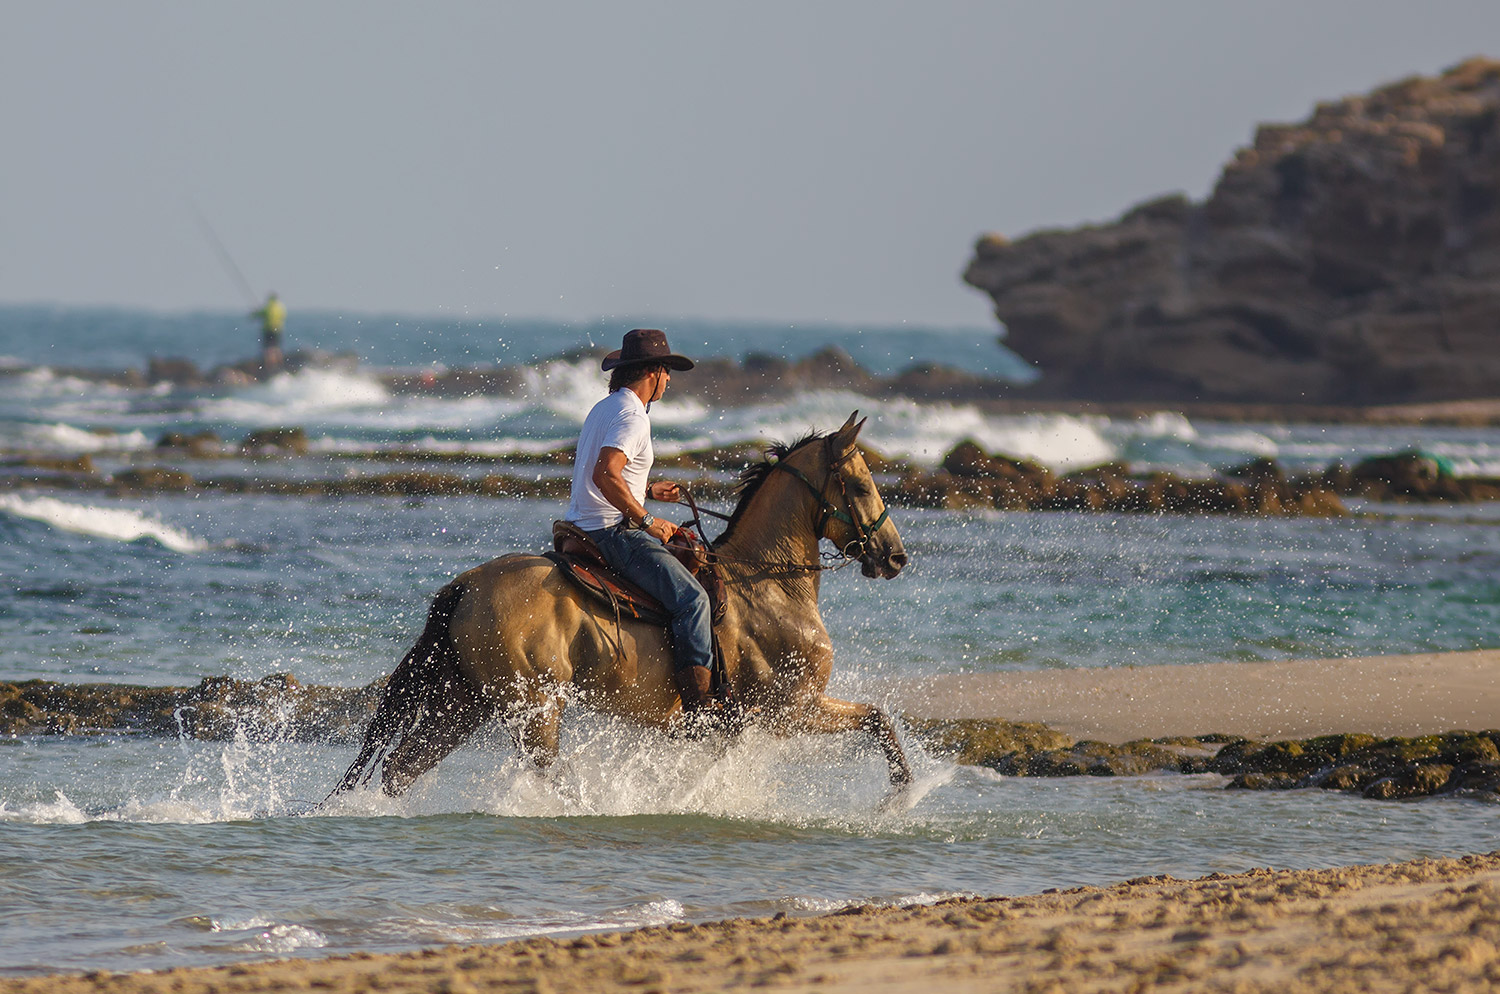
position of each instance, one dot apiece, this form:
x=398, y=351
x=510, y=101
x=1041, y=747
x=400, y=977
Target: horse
x=507, y=638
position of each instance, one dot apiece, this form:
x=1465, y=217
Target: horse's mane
x=752, y=477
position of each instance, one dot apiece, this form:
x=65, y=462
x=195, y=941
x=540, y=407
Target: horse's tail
x=420, y=686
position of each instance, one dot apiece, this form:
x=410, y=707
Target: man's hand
x=664, y=490
x=661, y=530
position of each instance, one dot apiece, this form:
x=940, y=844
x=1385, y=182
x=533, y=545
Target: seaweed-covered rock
x=985, y=741
x=1031, y=750
x=1412, y=476
x=201, y=445
x=1418, y=781
x=1291, y=758
x=82, y=464
x=177, y=371
x=970, y=477
x=275, y=441
x=153, y=479
x=1263, y=468
x=276, y=707
x=1264, y=781
x=1477, y=778
x=1378, y=768
x=1346, y=777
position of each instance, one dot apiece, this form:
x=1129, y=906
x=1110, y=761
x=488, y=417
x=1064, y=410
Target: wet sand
x=1379, y=695
x=1427, y=925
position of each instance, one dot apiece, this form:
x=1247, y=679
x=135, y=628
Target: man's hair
x=623, y=376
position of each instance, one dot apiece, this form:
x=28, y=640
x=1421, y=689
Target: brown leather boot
x=695, y=685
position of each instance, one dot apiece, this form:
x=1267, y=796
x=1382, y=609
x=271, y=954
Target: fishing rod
x=225, y=258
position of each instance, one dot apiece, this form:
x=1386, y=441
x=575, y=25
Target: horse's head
x=854, y=515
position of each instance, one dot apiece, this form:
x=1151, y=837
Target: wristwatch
x=647, y=521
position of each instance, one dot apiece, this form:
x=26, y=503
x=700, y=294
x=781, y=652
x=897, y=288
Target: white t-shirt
x=619, y=421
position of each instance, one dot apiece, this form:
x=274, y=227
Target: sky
x=809, y=161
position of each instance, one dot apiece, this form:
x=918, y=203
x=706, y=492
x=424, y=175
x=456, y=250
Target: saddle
x=580, y=561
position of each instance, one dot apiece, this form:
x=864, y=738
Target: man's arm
x=609, y=478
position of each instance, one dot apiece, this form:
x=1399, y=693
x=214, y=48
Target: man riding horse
x=517, y=637
x=610, y=487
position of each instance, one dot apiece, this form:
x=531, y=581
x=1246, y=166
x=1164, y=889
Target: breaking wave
x=117, y=524
x=66, y=438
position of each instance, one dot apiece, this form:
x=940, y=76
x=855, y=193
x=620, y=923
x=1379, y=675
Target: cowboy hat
x=645, y=345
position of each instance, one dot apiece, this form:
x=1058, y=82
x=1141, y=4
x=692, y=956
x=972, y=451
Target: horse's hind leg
x=435, y=736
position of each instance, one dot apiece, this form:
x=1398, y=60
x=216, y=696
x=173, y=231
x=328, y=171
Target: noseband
x=826, y=509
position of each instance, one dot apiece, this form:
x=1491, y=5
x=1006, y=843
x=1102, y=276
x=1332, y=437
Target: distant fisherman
x=272, y=321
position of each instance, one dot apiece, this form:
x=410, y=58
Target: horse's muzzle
x=885, y=566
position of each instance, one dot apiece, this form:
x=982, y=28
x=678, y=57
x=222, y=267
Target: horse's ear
x=843, y=439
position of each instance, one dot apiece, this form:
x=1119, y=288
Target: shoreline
x=1424, y=924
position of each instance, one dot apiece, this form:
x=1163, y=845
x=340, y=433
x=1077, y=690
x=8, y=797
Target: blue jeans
x=645, y=562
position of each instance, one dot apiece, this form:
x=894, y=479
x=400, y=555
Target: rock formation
x=1351, y=258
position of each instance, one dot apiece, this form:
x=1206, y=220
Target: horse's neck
x=772, y=544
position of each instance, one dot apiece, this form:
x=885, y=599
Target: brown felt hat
x=645, y=345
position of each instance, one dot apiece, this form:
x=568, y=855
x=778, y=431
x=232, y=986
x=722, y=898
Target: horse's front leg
x=829, y=714
x=536, y=730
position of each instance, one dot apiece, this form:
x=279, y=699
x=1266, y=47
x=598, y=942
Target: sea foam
x=924, y=432
x=307, y=393
x=66, y=438
x=118, y=524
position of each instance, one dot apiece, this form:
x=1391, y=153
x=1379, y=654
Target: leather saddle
x=580, y=561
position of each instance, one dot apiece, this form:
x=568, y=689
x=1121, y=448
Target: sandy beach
x=1426, y=925
x=1380, y=695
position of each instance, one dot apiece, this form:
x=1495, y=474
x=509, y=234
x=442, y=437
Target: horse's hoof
x=899, y=798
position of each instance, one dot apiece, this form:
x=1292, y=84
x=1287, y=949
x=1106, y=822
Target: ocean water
x=135, y=853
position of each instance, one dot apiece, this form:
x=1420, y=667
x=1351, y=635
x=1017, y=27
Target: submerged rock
x=970, y=477
x=275, y=441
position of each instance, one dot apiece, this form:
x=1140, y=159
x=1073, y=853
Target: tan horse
x=507, y=637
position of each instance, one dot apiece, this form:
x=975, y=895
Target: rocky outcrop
x=1353, y=258
x=1456, y=763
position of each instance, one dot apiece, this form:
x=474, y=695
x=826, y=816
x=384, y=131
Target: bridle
x=851, y=552
x=865, y=533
